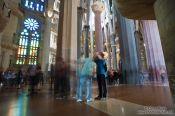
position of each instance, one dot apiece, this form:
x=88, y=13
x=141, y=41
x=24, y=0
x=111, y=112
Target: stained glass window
x=31, y=24
x=35, y=5
x=29, y=43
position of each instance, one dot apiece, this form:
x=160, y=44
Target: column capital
x=81, y=10
x=86, y=26
x=98, y=7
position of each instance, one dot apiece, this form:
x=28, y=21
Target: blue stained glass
x=24, y=51
x=31, y=24
x=23, y=42
x=20, y=41
x=27, y=3
x=37, y=7
x=34, y=43
x=26, y=33
x=37, y=44
x=42, y=8
x=37, y=35
x=31, y=4
x=26, y=42
x=31, y=43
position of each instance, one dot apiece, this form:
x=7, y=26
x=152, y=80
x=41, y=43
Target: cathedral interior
x=53, y=36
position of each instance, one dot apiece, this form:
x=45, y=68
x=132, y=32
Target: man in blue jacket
x=101, y=74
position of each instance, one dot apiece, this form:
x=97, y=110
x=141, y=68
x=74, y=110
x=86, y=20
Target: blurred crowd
x=113, y=77
x=65, y=78
x=18, y=78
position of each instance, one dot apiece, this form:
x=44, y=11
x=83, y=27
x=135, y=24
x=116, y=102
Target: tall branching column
x=86, y=29
x=153, y=48
x=97, y=8
x=112, y=35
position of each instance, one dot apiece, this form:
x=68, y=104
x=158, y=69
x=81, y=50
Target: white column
x=46, y=44
x=154, y=48
x=112, y=35
x=107, y=39
x=67, y=26
x=74, y=30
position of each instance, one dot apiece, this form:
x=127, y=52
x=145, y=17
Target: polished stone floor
x=122, y=101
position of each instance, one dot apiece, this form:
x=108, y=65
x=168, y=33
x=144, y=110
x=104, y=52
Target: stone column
x=60, y=33
x=165, y=16
x=74, y=31
x=67, y=28
x=128, y=50
x=65, y=36
x=108, y=45
x=113, y=46
x=153, y=48
x=92, y=41
x=97, y=8
x=46, y=45
x=112, y=36
x=86, y=29
x=86, y=41
x=80, y=12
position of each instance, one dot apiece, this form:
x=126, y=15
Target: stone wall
x=7, y=39
x=165, y=15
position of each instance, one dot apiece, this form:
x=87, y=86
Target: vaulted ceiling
x=136, y=9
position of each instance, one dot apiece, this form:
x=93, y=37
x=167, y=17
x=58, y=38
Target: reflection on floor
x=116, y=107
x=122, y=101
x=143, y=95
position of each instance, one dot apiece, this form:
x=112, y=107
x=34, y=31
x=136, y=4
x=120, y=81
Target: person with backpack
x=101, y=75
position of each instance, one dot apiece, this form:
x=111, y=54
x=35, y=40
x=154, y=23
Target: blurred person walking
x=86, y=74
x=19, y=78
x=32, y=78
x=61, y=79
